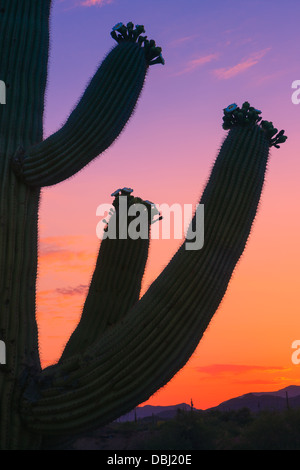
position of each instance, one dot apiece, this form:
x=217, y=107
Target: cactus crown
x=249, y=116
x=122, y=33
x=149, y=206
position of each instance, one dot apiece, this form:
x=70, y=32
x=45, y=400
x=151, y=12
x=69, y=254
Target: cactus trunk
x=23, y=65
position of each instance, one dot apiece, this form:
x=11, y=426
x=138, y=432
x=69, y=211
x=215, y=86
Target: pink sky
x=215, y=55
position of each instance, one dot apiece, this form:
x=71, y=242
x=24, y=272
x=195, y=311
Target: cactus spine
x=137, y=351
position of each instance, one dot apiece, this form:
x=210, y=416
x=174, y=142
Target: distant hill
x=291, y=390
x=277, y=400
x=147, y=411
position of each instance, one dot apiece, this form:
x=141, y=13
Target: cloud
x=67, y=253
x=229, y=72
x=182, y=40
x=271, y=76
x=198, y=62
x=268, y=381
x=51, y=246
x=235, y=369
x=66, y=245
x=99, y=3
x=69, y=291
x=60, y=255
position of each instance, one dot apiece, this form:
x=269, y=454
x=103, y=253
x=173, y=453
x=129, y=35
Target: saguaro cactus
x=124, y=349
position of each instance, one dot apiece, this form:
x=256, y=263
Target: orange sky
x=165, y=154
x=247, y=346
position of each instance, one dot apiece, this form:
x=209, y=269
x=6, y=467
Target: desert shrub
x=272, y=431
x=186, y=432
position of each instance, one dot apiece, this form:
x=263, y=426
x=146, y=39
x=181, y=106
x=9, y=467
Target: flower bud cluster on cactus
x=129, y=33
x=247, y=116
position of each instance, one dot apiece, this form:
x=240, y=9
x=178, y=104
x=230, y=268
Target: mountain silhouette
x=160, y=412
x=288, y=397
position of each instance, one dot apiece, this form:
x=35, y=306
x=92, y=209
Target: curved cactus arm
x=142, y=353
x=99, y=117
x=116, y=282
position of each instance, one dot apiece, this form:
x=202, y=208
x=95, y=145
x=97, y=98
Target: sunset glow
x=216, y=53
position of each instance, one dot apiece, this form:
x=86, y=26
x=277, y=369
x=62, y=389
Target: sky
x=216, y=52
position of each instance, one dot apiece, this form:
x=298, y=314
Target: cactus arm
x=98, y=118
x=142, y=353
x=116, y=282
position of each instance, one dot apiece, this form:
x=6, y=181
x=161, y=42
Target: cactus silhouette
x=124, y=349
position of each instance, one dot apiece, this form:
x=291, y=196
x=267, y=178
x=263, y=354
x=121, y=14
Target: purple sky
x=217, y=52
